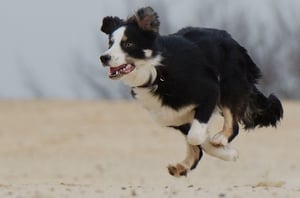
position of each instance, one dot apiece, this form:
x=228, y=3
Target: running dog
x=183, y=78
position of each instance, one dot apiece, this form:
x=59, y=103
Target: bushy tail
x=261, y=111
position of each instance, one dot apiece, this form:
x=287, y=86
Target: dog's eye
x=128, y=45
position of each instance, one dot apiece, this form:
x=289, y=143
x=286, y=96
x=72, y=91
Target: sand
x=114, y=149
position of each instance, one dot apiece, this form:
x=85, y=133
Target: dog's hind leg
x=230, y=129
x=226, y=153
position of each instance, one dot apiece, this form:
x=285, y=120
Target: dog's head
x=131, y=44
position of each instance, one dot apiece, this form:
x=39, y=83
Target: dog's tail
x=261, y=111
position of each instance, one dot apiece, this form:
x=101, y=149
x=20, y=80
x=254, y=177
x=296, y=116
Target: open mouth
x=117, y=72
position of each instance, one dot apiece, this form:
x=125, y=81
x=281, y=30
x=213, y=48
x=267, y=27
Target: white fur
x=145, y=68
x=224, y=152
x=118, y=57
x=148, y=53
x=219, y=139
x=164, y=115
x=197, y=133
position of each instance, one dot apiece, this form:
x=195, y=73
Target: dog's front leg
x=198, y=131
x=194, y=154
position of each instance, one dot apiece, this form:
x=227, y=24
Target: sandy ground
x=114, y=149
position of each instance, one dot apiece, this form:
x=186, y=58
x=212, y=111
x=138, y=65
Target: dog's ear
x=110, y=24
x=147, y=19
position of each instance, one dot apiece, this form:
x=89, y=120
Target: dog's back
x=237, y=75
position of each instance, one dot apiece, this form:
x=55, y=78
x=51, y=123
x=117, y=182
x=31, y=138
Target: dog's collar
x=152, y=82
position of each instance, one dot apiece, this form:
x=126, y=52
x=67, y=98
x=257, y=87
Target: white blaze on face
x=144, y=68
x=115, y=51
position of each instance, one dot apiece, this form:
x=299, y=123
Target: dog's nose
x=105, y=59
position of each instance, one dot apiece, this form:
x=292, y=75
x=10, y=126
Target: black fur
x=200, y=66
x=261, y=111
x=235, y=132
x=197, y=161
x=184, y=129
x=207, y=67
x=110, y=24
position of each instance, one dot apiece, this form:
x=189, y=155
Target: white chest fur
x=164, y=115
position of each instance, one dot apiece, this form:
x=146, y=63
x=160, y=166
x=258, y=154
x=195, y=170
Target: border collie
x=182, y=78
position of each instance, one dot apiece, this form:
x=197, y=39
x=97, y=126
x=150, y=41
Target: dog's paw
x=178, y=170
x=219, y=140
x=226, y=153
x=197, y=133
x=232, y=154
x=196, y=137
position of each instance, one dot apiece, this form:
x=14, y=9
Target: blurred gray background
x=50, y=49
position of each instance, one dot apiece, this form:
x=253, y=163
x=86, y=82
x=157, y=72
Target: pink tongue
x=114, y=69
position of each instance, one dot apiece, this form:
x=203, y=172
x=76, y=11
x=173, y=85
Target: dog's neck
x=145, y=74
x=140, y=78
x=154, y=80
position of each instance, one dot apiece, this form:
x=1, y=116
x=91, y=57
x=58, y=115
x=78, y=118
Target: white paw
x=223, y=152
x=196, y=138
x=232, y=154
x=197, y=133
x=219, y=139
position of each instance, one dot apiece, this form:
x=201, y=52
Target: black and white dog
x=182, y=78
